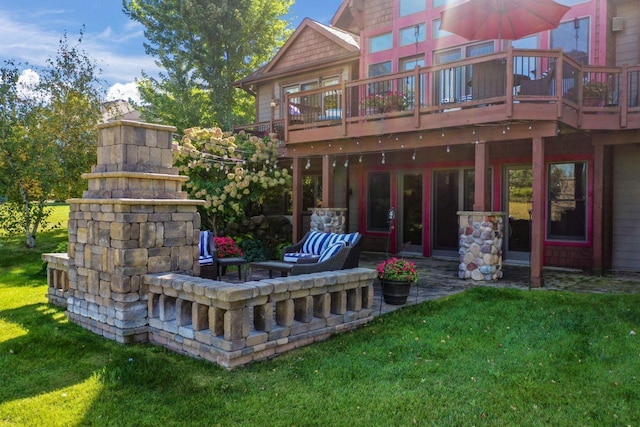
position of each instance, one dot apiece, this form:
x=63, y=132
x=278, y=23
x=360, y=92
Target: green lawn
x=484, y=357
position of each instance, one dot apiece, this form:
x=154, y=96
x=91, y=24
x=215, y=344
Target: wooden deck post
x=481, y=202
x=327, y=182
x=537, y=215
x=297, y=200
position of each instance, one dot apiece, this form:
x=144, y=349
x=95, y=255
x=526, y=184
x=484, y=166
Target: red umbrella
x=501, y=19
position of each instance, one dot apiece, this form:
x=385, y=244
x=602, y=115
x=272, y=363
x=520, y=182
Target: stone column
x=133, y=220
x=329, y=220
x=481, y=235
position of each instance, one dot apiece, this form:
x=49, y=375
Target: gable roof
x=349, y=42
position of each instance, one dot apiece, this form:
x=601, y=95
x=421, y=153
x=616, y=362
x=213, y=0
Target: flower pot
x=395, y=292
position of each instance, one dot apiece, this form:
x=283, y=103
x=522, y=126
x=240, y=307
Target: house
x=382, y=109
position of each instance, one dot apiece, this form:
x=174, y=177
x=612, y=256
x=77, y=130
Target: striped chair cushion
x=298, y=256
x=315, y=243
x=331, y=250
x=347, y=238
x=204, y=257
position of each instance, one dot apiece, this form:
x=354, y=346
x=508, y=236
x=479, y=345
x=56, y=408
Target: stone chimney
x=134, y=219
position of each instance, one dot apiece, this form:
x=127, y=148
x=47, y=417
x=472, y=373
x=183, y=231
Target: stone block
x=285, y=313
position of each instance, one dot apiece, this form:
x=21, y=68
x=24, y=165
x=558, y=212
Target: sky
x=30, y=31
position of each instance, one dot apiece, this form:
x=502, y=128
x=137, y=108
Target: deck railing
x=510, y=78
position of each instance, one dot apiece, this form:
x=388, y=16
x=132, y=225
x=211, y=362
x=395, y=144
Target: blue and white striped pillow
x=348, y=238
x=315, y=243
x=205, y=258
x=331, y=250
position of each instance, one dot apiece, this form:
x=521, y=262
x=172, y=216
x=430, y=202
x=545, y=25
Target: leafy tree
x=205, y=46
x=47, y=134
x=234, y=174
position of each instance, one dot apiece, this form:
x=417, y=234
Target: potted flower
x=395, y=101
x=594, y=93
x=396, y=276
x=372, y=104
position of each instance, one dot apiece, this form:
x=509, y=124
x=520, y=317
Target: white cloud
x=124, y=91
x=33, y=43
x=27, y=83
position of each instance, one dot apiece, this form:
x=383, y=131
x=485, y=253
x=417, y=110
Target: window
x=407, y=85
x=408, y=7
x=436, y=32
x=573, y=38
x=380, y=43
x=567, y=201
x=439, y=3
x=378, y=201
x=412, y=35
x=380, y=69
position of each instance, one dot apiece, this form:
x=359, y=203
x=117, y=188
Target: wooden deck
x=477, y=98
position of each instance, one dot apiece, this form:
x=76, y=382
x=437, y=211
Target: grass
x=484, y=357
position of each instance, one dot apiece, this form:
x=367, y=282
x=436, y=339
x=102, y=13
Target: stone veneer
x=133, y=220
x=481, y=235
x=329, y=220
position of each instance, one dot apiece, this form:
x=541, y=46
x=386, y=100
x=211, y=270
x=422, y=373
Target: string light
x=360, y=159
x=346, y=162
x=334, y=163
x=413, y=156
x=420, y=137
x=308, y=165
x=448, y=149
x=383, y=158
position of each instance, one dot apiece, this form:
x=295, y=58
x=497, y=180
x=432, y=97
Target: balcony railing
x=517, y=84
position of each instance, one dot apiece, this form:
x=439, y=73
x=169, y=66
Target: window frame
x=422, y=33
x=381, y=38
x=411, y=6
x=584, y=201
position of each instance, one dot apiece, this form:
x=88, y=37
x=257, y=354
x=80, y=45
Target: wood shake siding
x=309, y=47
x=378, y=13
x=627, y=39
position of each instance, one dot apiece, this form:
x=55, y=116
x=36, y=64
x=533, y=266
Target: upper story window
x=436, y=31
x=411, y=35
x=439, y=3
x=573, y=38
x=380, y=43
x=571, y=2
x=408, y=7
x=380, y=69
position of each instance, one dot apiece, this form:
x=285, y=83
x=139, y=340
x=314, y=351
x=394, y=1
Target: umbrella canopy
x=501, y=19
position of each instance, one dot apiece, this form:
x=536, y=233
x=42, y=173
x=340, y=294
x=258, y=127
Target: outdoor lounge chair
x=314, y=242
x=211, y=265
x=542, y=86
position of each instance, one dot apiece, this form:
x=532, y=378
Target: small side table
x=283, y=267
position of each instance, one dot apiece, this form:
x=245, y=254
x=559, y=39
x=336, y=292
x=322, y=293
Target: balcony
x=514, y=86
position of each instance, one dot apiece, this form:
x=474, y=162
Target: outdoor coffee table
x=283, y=267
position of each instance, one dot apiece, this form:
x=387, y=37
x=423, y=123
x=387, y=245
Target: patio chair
x=334, y=261
x=541, y=87
x=314, y=242
x=211, y=265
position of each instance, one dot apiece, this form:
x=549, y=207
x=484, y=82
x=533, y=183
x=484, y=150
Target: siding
x=627, y=39
x=310, y=46
x=626, y=208
x=378, y=13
